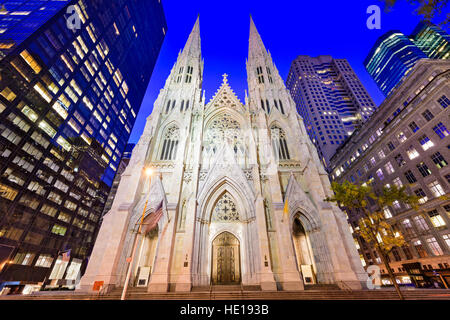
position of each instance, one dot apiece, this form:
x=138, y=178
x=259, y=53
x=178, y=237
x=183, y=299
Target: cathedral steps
x=141, y=294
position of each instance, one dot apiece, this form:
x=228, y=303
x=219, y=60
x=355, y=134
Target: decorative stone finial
x=225, y=78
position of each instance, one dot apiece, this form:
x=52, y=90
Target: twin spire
x=193, y=44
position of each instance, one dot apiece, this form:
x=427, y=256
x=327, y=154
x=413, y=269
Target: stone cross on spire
x=225, y=78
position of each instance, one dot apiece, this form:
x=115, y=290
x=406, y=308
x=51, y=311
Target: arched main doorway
x=303, y=252
x=226, y=264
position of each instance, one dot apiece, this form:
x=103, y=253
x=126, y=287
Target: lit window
x=434, y=246
x=380, y=174
x=43, y=92
x=436, y=189
x=47, y=128
x=59, y=230
x=64, y=143
x=401, y=137
x=8, y=94
x=387, y=213
x=426, y=142
x=389, y=168
x=412, y=153
x=44, y=261
x=436, y=219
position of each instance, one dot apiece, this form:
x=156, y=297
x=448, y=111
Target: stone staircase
x=310, y=293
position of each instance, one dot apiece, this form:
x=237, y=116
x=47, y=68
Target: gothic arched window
x=187, y=105
x=182, y=106
x=269, y=75
x=267, y=106
x=225, y=210
x=279, y=143
x=168, y=106
x=281, y=107
x=189, y=74
x=259, y=73
x=170, y=145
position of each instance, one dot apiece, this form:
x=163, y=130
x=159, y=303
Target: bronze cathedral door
x=225, y=260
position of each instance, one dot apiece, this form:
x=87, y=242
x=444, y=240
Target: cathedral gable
x=224, y=98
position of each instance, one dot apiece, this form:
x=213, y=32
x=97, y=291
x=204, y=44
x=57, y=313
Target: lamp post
x=148, y=173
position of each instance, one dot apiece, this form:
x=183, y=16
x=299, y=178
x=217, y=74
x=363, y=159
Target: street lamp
x=148, y=172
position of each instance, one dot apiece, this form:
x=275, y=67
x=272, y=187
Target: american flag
x=152, y=219
x=66, y=255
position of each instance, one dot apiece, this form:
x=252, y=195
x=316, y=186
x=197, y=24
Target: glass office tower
x=19, y=19
x=394, y=54
x=331, y=100
x=69, y=96
x=390, y=59
x=432, y=40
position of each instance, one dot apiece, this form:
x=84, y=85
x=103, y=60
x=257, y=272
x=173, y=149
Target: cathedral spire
x=193, y=44
x=256, y=45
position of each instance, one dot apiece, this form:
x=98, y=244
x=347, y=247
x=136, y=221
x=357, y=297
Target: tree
x=373, y=225
x=428, y=9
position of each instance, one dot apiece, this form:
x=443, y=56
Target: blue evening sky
x=288, y=29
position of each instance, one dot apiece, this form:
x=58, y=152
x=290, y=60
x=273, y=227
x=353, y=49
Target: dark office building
x=331, y=100
x=394, y=54
x=69, y=96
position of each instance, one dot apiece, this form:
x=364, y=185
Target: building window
x=401, y=137
x=373, y=162
x=279, y=143
x=398, y=182
x=414, y=127
x=59, y=230
x=446, y=238
x=168, y=106
x=423, y=169
x=381, y=154
x=426, y=142
x=420, y=249
x=436, y=189
x=421, y=195
x=389, y=168
x=427, y=115
x=434, y=246
x=421, y=223
x=170, y=145
x=436, y=219
x=190, y=70
x=407, y=253
x=410, y=176
x=387, y=213
x=391, y=146
x=380, y=174
x=441, y=130
x=44, y=261
x=439, y=160
x=408, y=227
x=400, y=161
x=444, y=101
x=259, y=73
x=412, y=153
x=23, y=258
x=281, y=107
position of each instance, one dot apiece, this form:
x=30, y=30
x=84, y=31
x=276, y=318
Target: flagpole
x=149, y=173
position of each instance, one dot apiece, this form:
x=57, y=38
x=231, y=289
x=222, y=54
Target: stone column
x=266, y=278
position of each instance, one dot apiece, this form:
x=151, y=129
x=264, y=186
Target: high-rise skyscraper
x=390, y=59
x=19, y=19
x=69, y=97
x=330, y=98
x=394, y=54
x=432, y=40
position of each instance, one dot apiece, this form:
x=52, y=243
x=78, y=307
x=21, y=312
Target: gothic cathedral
x=241, y=187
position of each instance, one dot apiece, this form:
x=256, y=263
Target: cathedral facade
x=241, y=187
